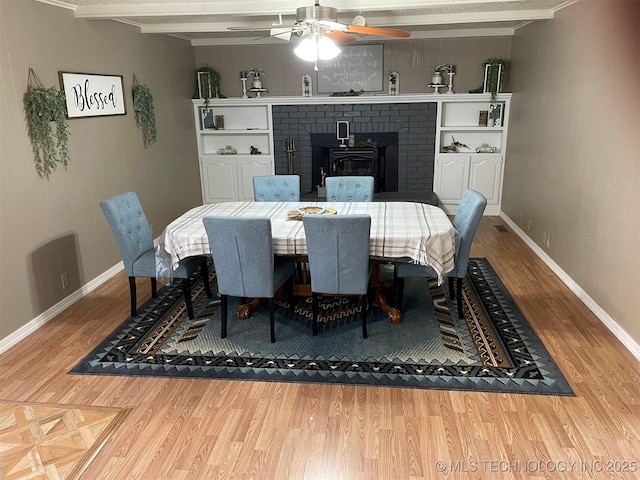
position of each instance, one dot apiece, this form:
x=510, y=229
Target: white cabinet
x=238, y=126
x=456, y=171
x=227, y=178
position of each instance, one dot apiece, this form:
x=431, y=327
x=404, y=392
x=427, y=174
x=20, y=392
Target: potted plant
x=207, y=83
x=257, y=74
x=496, y=70
x=45, y=108
x=439, y=70
x=145, y=113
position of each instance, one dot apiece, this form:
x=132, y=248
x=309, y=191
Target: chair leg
x=132, y=289
x=272, y=324
x=223, y=315
x=315, y=314
x=451, y=288
x=186, y=289
x=364, y=303
x=154, y=287
x=204, y=270
x=459, y=295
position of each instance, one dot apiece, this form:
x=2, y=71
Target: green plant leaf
x=47, y=127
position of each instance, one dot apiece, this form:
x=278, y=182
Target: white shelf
x=227, y=131
x=471, y=129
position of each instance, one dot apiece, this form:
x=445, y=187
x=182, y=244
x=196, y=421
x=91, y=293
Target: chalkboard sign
x=358, y=67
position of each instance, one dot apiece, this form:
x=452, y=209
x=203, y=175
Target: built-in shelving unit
x=232, y=127
x=459, y=122
x=248, y=122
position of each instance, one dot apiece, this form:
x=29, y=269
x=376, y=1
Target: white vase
x=257, y=83
x=436, y=79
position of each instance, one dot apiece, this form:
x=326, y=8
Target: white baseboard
x=26, y=330
x=626, y=339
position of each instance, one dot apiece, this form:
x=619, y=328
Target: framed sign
x=92, y=95
x=204, y=85
x=358, y=67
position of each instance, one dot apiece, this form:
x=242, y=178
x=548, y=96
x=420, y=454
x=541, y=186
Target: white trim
x=58, y=3
x=619, y=332
x=26, y=330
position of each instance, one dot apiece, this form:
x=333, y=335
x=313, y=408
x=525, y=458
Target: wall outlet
x=548, y=244
x=65, y=280
x=529, y=226
x=544, y=239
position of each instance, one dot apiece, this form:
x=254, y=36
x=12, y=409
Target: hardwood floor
x=209, y=429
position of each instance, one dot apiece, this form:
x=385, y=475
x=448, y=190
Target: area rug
x=493, y=348
x=48, y=441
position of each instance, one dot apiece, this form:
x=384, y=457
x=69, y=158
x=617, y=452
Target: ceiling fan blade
x=340, y=37
x=331, y=25
x=384, y=32
x=281, y=33
x=260, y=29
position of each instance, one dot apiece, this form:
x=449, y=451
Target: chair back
x=242, y=255
x=466, y=222
x=276, y=188
x=338, y=251
x=130, y=227
x=350, y=189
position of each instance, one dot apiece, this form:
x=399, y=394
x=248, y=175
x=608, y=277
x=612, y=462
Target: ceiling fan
x=321, y=20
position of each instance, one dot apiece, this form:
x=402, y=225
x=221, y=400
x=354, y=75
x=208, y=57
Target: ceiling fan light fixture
x=327, y=49
x=306, y=50
x=317, y=47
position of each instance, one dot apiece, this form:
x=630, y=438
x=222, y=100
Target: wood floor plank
x=209, y=429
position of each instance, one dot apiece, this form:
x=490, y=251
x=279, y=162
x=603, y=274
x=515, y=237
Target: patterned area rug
x=57, y=442
x=493, y=348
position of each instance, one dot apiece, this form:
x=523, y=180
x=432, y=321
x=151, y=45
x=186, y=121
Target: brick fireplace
x=413, y=123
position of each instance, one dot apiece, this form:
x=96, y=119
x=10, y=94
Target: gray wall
x=53, y=226
x=573, y=161
x=414, y=60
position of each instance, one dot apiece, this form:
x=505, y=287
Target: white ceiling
x=205, y=22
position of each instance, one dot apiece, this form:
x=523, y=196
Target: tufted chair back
x=130, y=227
x=276, y=188
x=350, y=189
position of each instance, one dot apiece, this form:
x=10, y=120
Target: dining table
x=400, y=231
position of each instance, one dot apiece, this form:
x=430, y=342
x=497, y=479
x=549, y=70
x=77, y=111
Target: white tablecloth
x=422, y=233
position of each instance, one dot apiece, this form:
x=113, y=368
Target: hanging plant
x=45, y=108
x=212, y=90
x=145, y=114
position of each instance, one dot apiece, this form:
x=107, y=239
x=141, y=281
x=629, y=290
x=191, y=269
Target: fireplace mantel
x=357, y=99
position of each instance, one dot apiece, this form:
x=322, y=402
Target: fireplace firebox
x=377, y=156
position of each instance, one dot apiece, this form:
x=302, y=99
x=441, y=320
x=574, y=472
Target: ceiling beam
x=249, y=8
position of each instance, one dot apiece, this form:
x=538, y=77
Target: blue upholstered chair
x=276, y=188
x=133, y=235
x=350, y=189
x=338, y=251
x=466, y=223
x=245, y=265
